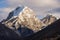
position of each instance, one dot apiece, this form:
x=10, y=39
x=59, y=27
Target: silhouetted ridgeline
x=47, y=33
x=50, y=32
x=7, y=34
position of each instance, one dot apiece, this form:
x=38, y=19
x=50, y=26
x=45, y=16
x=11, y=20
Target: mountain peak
x=23, y=16
x=18, y=11
x=49, y=19
x=55, y=15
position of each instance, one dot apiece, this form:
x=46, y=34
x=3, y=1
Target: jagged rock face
x=49, y=19
x=25, y=18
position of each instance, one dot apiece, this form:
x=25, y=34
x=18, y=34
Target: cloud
x=37, y=3
x=14, y=3
x=4, y=13
x=41, y=7
x=5, y=9
x=57, y=15
x=56, y=10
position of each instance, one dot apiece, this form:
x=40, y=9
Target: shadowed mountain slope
x=49, y=32
x=7, y=34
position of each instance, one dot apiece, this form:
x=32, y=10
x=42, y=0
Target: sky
x=40, y=7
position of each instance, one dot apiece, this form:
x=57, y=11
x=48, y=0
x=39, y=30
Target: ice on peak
x=18, y=11
x=26, y=9
x=55, y=15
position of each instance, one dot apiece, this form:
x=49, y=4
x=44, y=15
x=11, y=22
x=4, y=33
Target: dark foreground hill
x=7, y=34
x=51, y=32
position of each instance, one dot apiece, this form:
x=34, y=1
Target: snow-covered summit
x=49, y=19
x=56, y=15
x=23, y=16
x=17, y=11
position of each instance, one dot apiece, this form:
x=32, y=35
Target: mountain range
x=23, y=17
